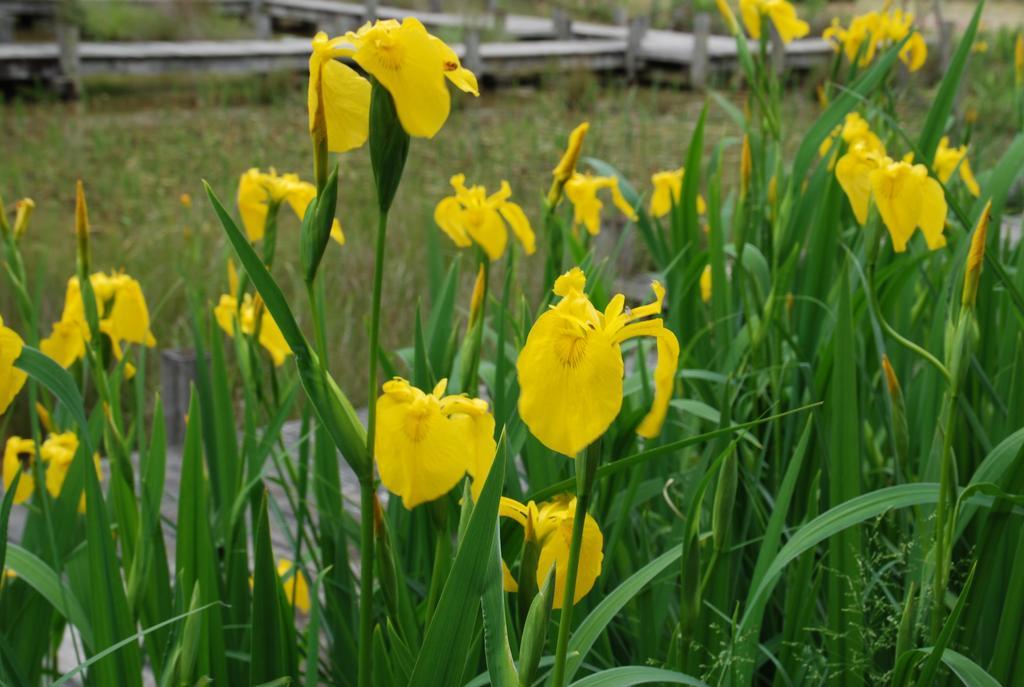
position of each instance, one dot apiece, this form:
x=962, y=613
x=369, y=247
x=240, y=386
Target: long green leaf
x=636, y=675
x=446, y=644
x=942, y=104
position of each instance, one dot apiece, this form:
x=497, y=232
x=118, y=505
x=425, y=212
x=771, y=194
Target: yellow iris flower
x=228, y=311
x=874, y=31
x=567, y=165
x=426, y=443
x=258, y=192
x=549, y=526
x=58, y=452
x=11, y=378
x=124, y=318
x=854, y=129
x=404, y=58
x=668, y=188
x=18, y=455
x=949, y=160
x=582, y=189
x=907, y=198
x=296, y=589
x=338, y=98
x=471, y=216
x=571, y=369
x=780, y=12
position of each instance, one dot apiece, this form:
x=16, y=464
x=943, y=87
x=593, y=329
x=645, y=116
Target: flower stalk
x=586, y=471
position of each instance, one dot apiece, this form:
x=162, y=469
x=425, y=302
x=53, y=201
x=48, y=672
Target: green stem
x=366, y=478
x=586, y=469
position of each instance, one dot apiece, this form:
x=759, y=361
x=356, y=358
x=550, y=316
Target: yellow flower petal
x=252, y=203
x=11, y=378
x=853, y=171
x=273, y=340
x=65, y=344
x=345, y=97
x=897, y=190
x=705, y=284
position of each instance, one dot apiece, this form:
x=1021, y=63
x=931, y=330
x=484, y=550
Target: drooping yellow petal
x=914, y=52
x=520, y=225
x=898, y=194
x=462, y=78
x=130, y=315
x=11, y=378
x=345, y=97
x=447, y=217
x=750, y=12
x=933, y=213
x=853, y=171
x=273, y=340
x=405, y=59
x=18, y=455
x=476, y=424
x=225, y=313
x=705, y=284
x=65, y=344
x=253, y=203
x=787, y=23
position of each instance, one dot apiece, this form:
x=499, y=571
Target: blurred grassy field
x=140, y=145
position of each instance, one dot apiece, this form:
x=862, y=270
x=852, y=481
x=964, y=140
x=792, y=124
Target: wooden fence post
x=70, y=82
x=370, y=10
x=6, y=27
x=700, y=62
x=634, y=42
x=177, y=372
x=259, y=19
x=562, y=23
x=435, y=6
x=472, y=59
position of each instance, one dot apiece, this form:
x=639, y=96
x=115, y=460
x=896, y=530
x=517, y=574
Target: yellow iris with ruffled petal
x=582, y=190
x=949, y=160
x=260, y=193
x=668, y=188
x=571, y=369
x=780, y=12
x=124, y=318
x=426, y=443
x=11, y=378
x=907, y=198
x=549, y=526
x=471, y=216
